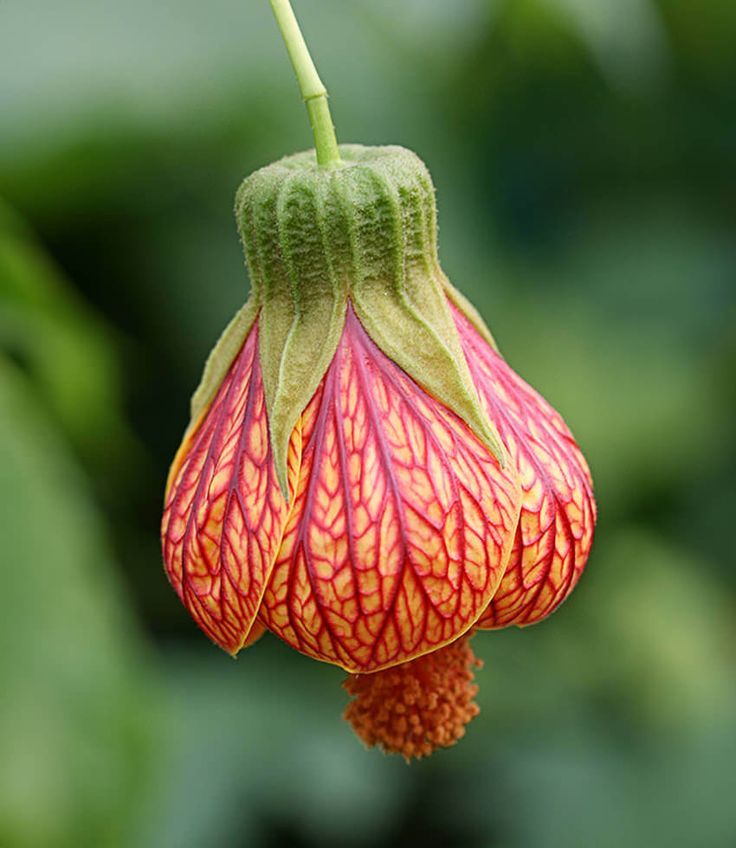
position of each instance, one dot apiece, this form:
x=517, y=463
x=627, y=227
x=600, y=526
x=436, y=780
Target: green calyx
x=362, y=230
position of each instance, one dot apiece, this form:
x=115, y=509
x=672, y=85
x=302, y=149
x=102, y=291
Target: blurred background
x=584, y=154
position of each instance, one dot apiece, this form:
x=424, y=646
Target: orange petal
x=558, y=512
x=225, y=515
x=402, y=525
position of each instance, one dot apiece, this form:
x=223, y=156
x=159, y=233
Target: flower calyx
x=363, y=230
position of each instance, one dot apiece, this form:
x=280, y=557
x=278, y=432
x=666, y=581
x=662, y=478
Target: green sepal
x=221, y=358
x=286, y=218
x=470, y=312
x=296, y=348
x=421, y=340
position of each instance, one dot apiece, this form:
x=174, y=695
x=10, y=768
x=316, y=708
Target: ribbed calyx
x=363, y=231
x=369, y=221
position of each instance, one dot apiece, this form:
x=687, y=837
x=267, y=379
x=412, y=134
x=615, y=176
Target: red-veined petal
x=558, y=512
x=225, y=514
x=402, y=525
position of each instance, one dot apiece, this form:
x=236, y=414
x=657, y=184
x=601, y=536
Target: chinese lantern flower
x=364, y=475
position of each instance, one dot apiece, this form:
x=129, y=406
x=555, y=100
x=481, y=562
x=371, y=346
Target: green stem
x=312, y=88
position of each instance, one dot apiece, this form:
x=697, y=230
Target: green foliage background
x=584, y=154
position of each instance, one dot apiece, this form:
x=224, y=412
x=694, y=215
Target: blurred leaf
x=673, y=627
x=66, y=348
x=260, y=744
x=76, y=704
x=627, y=39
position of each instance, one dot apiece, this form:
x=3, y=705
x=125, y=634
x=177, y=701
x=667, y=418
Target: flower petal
x=402, y=524
x=558, y=512
x=225, y=514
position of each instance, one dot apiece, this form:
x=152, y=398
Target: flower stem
x=312, y=88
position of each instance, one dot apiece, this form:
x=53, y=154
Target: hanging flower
x=364, y=475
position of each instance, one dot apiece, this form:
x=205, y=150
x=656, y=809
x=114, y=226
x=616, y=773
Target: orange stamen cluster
x=416, y=707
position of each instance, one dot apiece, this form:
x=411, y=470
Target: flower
x=364, y=475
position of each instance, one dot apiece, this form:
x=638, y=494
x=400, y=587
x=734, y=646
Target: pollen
x=416, y=707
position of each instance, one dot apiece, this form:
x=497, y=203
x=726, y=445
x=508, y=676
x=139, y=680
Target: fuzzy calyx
x=363, y=230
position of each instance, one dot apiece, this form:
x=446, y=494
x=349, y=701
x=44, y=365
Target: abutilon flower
x=364, y=475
